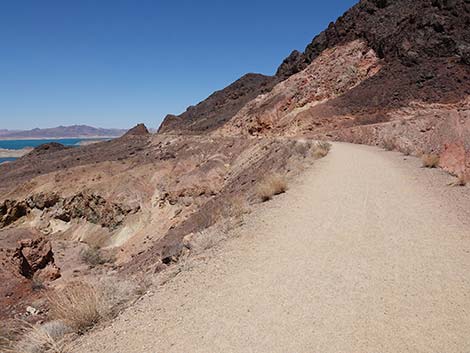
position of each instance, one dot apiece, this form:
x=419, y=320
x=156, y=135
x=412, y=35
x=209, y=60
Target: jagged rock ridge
x=220, y=106
x=415, y=39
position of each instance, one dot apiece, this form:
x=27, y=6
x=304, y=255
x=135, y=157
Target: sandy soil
x=365, y=253
x=5, y=153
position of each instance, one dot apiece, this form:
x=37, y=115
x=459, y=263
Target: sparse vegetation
x=81, y=305
x=27, y=338
x=93, y=257
x=238, y=207
x=115, y=294
x=430, y=160
x=271, y=186
x=37, y=284
x=321, y=149
x=76, y=305
x=389, y=144
x=302, y=147
x=204, y=240
x=462, y=180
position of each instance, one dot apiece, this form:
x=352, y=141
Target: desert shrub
x=37, y=284
x=271, y=186
x=29, y=338
x=462, y=180
x=93, y=256
x=114, y=294
x=238, y=207
x=204, y=240
x=76, y=305
x=321, y=149
x=302, y=148
x=389, y=144
x=56, y=329
x=430, y=160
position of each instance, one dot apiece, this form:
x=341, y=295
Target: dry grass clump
x=302, y=148
x=81, y=305
x=462, y=180
x=114, y=294
x=204, y=240
x=389, y=144
x=93, y=257
x=238, y=207
x=272, y=186
x=321, y=149
x=77, y=305
x=46, y=338
x=73, y=309
x=430, y=160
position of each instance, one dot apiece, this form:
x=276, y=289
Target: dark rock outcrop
x=408, y=31
x=406, y=34
x=91, y=207
x=138, y=130
x=220, y=107
x=11, y=211
x=47, y=148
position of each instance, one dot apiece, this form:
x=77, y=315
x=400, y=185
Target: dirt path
x=361, y=255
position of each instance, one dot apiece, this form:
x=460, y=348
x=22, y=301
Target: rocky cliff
x=424, y=45
x=355, y=81
x=220, y=107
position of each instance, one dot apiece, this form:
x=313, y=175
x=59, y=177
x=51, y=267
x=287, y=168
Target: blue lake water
x=20, y=144
x=6, y=160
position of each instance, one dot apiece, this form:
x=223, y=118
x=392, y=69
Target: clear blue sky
x=114, y=63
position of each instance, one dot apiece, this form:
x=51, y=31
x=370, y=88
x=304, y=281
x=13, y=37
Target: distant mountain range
x=74, y=131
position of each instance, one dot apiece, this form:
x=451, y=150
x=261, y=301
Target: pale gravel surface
x=365, y=253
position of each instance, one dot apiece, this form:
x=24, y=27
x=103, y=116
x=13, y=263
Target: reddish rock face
x=453, y=158
x=31, y=259
x=35, y=255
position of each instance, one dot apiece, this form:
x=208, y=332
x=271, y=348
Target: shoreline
x=4, y=138
x=7, y=153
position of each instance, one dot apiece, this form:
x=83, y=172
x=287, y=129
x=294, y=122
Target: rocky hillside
x=133, y=200
x=393, y=73
x=220, y=107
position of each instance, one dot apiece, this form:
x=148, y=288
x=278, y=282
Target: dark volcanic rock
x=220, y=107
x=47, y=148
x=11, y=211
x=403, y=30
x=93, y=208
x=138, y=130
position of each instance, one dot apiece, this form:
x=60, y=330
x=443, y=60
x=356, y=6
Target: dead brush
x=389, y=144
x=302, y=148
x=321, y=149
x=462, y=180
x=28, y=338
x=77, y=305
x=430, y=160
x=271, y=186
x=238, y=207
x=93, y=256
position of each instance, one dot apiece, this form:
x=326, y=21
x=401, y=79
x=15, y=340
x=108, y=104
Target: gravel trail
x=364, y=253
